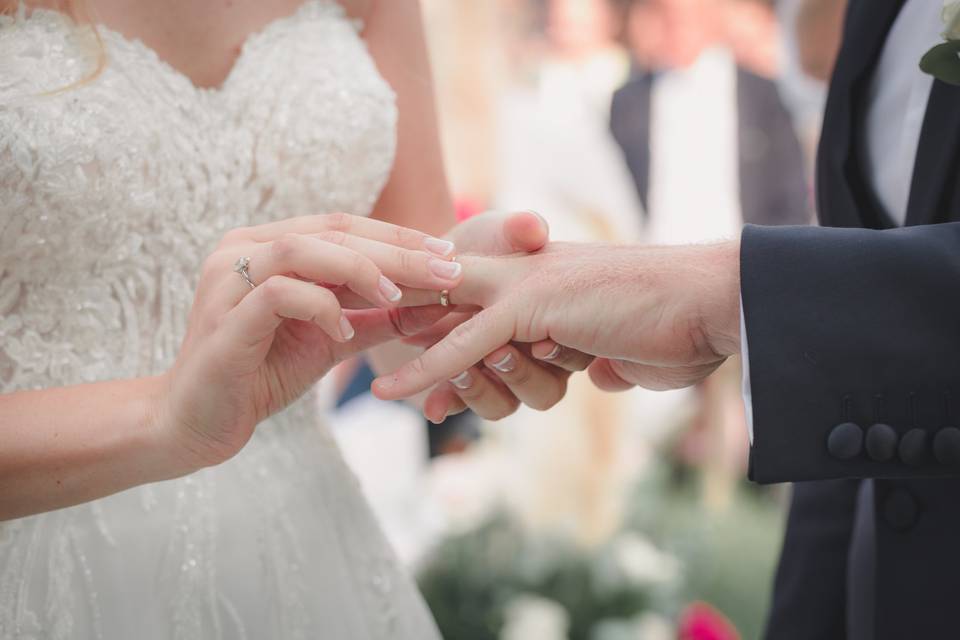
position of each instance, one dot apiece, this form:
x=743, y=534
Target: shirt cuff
x=745, y=365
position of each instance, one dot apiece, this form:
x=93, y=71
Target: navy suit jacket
x=854, y=343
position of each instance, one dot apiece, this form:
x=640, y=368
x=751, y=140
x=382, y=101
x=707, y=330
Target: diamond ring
x=241, y=266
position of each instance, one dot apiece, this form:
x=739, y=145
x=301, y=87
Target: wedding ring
x=241, y=266
x=445, y=294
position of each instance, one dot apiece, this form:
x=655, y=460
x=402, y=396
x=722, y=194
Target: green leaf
x=943, y=63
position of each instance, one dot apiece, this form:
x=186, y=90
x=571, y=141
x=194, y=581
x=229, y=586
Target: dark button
x=900, y=510
x=913, y=447
x=881, y=442
x=946, y=446
x=845, y=441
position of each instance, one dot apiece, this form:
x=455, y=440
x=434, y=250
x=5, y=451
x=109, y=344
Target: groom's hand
x=660, y=317
x=497, y=382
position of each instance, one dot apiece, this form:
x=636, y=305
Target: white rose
x=642, y=563
x=530, y=616
x=951, y=18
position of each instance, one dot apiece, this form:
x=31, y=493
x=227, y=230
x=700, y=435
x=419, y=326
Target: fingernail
x=386, y=382
x=462, y=381
x=506, y=364
x=389, y=290
x=439, y=247
x=445, y=269
x=346, y=329
x=553, y=353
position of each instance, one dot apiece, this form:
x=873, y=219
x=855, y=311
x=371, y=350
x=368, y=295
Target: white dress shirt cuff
x=745, y=357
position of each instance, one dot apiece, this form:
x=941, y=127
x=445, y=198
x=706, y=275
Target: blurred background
x=609, y=517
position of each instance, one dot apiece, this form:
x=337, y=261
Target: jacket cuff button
x=845, y=441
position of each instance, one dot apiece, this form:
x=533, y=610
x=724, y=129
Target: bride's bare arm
x=67, y=445
x=247, y=354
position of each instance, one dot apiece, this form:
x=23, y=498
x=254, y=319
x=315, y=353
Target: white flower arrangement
x=943, y=60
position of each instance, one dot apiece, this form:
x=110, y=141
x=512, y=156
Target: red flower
x=700, y=621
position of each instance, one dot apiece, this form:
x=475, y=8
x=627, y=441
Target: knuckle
x=407, y=261
x=273, y=291
x=417, y=366
x=285, y=246
x=212, y=266
x=334, y=237
x=404, y=237
x=233, y=236
x=338, y=221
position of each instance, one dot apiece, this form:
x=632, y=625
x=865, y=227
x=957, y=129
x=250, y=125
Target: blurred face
x=580, y=26
x=673, y=33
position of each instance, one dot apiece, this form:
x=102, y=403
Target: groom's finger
x=535, y=385
x=458, y=351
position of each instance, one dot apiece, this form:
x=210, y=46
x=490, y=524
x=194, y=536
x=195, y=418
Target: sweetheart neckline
x=223, y=86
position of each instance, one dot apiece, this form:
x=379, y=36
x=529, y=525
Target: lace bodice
x=113, y=189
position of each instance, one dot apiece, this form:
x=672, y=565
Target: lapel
x=935, y=170
x=843, y=197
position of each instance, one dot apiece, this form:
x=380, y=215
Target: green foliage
x=473, y=576
x=729, y=553
x=943, y=63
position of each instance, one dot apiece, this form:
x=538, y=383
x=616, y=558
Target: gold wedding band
x=445, y=294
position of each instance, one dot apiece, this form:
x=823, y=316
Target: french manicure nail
x=506, y=364
x=346, y=329
x=444, y=269
x=389, y=290
x=553, y=353
x=462, y=381
x=386, y=382
x=439, y=247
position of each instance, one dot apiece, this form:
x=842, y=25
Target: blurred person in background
x=701, y=108
x=811, y=39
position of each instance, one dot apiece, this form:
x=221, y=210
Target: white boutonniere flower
x=943, y=60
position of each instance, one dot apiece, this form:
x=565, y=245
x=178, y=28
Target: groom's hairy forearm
x=67, y=445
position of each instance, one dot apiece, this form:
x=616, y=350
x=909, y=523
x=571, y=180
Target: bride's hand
x=248, y=353
x=659, y=317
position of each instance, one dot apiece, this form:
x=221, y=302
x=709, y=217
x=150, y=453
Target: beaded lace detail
x=112, y=192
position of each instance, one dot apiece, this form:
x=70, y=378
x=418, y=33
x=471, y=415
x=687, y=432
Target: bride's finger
x=352, y=225
x=411, y=298
x=258, y=315
x=404, y=266
x=536, y=385
x=459, y=350
x=317, y=261
x=484, y=394
x=442, y=403
x=562, y=357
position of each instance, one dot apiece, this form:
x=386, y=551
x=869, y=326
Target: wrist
x=720, y=292
x=173, y=457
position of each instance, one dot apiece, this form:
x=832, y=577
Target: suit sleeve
x=854, y=351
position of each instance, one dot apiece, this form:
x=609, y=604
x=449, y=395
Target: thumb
x=525, y=231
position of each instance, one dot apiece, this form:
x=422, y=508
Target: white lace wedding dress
x=111, y=194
